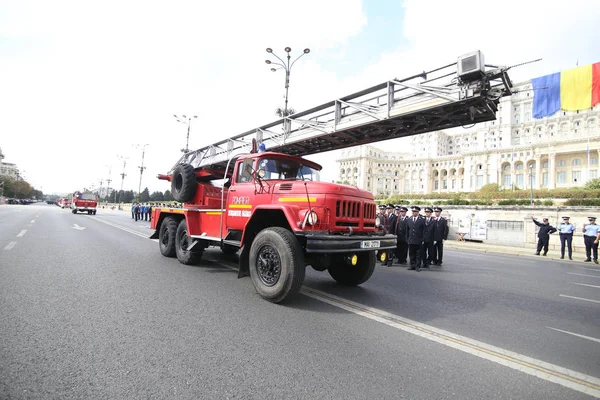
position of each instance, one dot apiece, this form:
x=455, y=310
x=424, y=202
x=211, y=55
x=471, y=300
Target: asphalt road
x=89, y=309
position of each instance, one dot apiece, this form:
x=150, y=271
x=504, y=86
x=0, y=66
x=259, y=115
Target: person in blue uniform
x=543, y=235
x=415, y=229
x=565, y=230
x=591, y=237
x=439, y=235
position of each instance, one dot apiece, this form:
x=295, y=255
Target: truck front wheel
x=166, y=237
x=276, y=264
x=182, y=241
x=353, y=275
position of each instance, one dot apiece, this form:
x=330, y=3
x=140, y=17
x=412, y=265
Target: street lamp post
x=142, y=168
x=185, y=120
x=288, y=68
x=123, y=175
x=531, y=183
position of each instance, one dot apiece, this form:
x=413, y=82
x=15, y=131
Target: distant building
x=8, y=169
x=515, y=150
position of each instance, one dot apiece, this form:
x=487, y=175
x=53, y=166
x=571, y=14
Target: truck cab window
x=244, y=174
x=284, y=168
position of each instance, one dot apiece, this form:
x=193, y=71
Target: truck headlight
x=377, y=222
x=312, y=218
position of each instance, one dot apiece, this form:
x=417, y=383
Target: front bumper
x=323, y=243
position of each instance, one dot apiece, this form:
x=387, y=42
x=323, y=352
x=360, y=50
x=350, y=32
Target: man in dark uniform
x=440, y=234
x=391, y=225
x=543, y=235
x=382, y=228
x=427, y=250
x=415, y=229
x=400, y=231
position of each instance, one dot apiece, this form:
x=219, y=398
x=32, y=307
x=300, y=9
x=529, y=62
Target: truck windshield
x=283, y=168
x=87, y=196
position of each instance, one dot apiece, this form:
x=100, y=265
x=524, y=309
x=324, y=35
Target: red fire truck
x=272, y=205
x=64, y=202
x=84, y=202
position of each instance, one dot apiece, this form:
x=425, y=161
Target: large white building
x=8, y=169
x=515, y=150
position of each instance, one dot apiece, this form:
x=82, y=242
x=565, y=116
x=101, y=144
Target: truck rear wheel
x=182, y=241
x=183, y=183
x=276, y=264
x=353, y=275
x=166, y=237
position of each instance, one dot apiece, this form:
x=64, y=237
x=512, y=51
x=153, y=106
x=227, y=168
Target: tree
x=167, y=196
x=144, y=196
x=593, y=184
x=157, y=196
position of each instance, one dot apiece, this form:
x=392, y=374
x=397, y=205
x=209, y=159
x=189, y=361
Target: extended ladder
x=425, y=102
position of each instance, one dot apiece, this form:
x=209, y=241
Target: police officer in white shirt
x=591, y=237
x=566, y=229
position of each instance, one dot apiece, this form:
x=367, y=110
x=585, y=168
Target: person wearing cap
x=415, y=229
x=391, y=224
x=439, y=235
x=427, y=250
x=382, y=227
x=566, y=229
x=400, y=231
x=591, y=237
x=543, y=235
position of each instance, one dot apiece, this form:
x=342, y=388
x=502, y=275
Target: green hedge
x=582, y=202
x=489, y=195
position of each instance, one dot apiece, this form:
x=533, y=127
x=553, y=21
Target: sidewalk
x=513, y=250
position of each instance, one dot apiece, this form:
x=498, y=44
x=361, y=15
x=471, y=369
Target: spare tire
x=183, y=183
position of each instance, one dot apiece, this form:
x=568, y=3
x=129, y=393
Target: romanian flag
x=571, y=90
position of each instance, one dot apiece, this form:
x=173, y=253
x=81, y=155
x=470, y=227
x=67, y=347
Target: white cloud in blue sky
x=84, y=81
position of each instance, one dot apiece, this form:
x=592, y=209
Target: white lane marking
x=591, y=276
x=589, y=269
x=32, y=221
x=121, y=227
x=79, y=228
x=584, y=284
x=575, y=334
x=579, y=298
x=553, y=373
x=22, y=233
x=549, y=372
x=10, y=245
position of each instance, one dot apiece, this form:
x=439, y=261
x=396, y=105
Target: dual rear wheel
x=173, y=241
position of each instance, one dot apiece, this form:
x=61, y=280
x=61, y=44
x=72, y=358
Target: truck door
x=239, y=202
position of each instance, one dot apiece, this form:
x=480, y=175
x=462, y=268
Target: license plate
x=369, y=244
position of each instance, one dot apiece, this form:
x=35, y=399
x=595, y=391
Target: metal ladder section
x=425, y=102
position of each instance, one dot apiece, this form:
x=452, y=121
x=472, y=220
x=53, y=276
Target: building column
x=552, y=171
x=538, y=172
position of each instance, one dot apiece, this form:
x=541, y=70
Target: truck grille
x=347, y=209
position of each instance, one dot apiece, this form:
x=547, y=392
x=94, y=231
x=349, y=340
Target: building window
x=520, y=180
x=561, y=163
x=576, y=175
x=545, y=164
x=479, y=181
x=576, y=162
x=561, y=177
x=507, y=180
x=519, y=166
x=593, y=161
x=545, y=179
x=593, y=173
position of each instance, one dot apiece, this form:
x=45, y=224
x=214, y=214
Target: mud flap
x=154, y=235
x=244, y=266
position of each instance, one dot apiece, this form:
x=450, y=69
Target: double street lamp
x=287, y=67
x=185, y=120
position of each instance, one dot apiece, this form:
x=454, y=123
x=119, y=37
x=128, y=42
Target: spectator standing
x=391, y=224
x=543, y=235
x=427, y=250
x=591, y=237
x=400, y=231
x=566, y=229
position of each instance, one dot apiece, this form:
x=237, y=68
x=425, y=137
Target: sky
x=85, y=85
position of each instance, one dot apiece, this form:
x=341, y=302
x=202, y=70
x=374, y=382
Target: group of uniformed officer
x=420, y=237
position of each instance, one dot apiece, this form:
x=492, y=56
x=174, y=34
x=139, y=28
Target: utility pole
x=141, y=167
x=123, y=175
x=108, y=181
x=188, y=121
